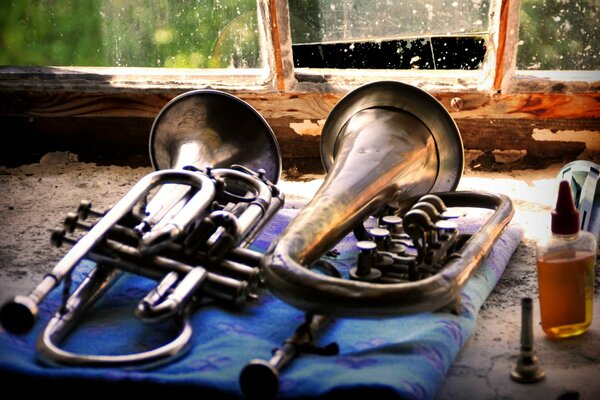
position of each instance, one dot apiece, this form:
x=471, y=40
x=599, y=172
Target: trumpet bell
x=213, y=128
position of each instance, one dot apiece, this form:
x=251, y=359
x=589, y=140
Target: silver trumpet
x=186, y=225
x=391, y=151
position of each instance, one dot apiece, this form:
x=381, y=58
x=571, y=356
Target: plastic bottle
x=565, y=267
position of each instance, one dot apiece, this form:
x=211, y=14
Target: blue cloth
x=403, y=357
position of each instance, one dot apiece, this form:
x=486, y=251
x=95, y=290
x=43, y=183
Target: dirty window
x=559, y=35
x=391, y=34
x=132, y=33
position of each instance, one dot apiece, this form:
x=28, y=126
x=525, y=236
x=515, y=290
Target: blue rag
x=402, y=357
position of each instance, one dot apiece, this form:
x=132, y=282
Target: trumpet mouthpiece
x=528, y=369
x=19, y=315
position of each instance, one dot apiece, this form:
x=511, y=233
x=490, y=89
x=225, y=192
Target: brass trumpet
x=186, y=225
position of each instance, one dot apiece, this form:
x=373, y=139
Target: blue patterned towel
x=403, y=357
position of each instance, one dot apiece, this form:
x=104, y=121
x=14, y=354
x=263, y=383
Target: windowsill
x=342, y=80
x=555, y=81
x=100, y=79
x=111, y=79
x=124, y=79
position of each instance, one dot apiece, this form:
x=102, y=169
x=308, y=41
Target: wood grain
x=487, y=121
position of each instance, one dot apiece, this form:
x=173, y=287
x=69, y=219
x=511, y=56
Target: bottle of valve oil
x=565, y=267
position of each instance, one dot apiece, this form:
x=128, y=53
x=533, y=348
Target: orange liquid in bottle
x=566, y=290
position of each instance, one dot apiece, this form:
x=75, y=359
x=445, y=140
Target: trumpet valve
x=85, y=209
x=57, y=237
x=226, y=235
x=445, y=228
x=392, y=223
x=70, y=222
x=364, y=270
x=382, y=238
x=223, y=243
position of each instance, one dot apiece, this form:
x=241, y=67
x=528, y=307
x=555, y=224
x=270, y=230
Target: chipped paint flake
x=308, y=127
x=590, y=138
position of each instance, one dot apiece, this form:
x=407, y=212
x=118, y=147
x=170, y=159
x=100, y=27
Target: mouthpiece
x=19, y=315
x=528, y=369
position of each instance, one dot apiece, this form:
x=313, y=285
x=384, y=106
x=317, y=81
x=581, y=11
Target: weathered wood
x=298, y=106
x=487, y=122
x=285, y=42
x=282, y=45
x=507, y=43
x=518, y=134
x=69, y=104
x=525, y=105
x=118, y=140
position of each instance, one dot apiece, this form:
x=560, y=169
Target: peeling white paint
x=590, y=138
x=308, y=127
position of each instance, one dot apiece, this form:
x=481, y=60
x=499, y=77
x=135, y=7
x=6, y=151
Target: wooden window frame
x=500, y=108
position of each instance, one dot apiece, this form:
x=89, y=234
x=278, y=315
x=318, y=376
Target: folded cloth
x=401, y=357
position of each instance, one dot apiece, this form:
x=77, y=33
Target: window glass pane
x=392, y=34
x=423, y=53
x=131, y=33
x=323, y=21
x=559, y=35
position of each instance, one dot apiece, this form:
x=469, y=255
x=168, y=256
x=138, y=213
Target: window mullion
x=506, y=43
x=281, y=42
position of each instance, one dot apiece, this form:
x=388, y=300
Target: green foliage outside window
x=559, y=35
x=131, y=33
x=554, y=34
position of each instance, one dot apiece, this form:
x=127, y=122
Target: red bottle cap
x=565, y=217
